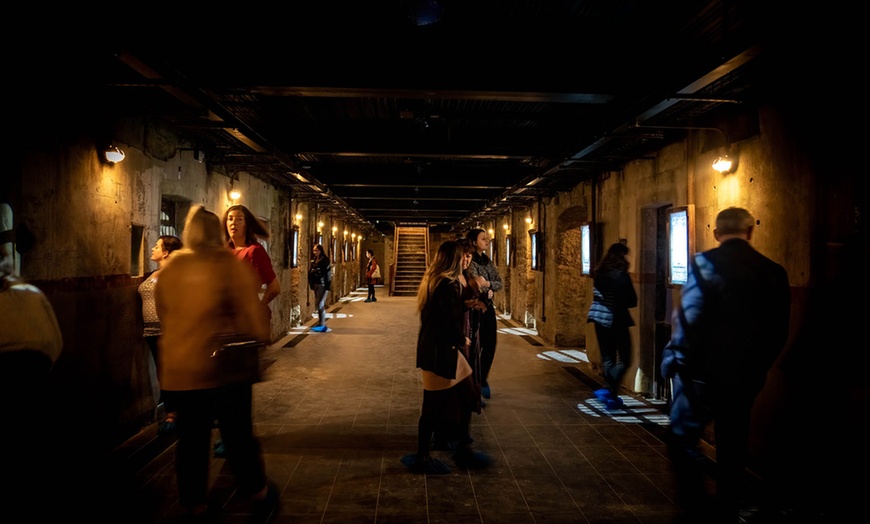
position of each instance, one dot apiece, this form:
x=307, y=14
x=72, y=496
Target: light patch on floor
x=635, y=411
x=570, y=356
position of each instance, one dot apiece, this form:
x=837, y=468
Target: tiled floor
x=338, y=410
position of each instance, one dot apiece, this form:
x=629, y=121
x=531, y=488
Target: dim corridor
x=338, y=410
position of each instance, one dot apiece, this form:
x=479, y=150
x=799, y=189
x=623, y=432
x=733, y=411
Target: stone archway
x=570, y=296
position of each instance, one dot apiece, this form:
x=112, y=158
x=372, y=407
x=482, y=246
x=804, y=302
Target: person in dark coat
x=612, y=296
x=442, y=346
x=483, y=266
x=731, y=325
x=320, y=280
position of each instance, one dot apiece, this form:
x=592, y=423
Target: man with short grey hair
x=730, y=326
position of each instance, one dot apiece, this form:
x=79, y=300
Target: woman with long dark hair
x=241, y=232
x=612, y=296
x=482, y=266
x=320, y=280
x=442, y=346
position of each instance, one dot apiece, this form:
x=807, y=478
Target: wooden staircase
x=411, y=252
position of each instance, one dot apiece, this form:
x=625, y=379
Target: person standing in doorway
x=372, y=269
x=731, y=325
x=160, y=253
x=320, y=280
x=482, y=266
x=613, y=295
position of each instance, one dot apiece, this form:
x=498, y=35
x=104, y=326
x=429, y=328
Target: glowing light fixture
x=114, y=154
x=298, y=217
x=723, y=164
x=234, y=193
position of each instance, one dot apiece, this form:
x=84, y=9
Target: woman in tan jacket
x=201, y=291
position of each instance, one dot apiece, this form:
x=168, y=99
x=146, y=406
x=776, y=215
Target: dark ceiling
x=383, y=118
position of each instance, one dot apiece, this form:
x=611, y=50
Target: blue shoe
x=485, y=392
x=167, y=427
x=220, y=449
x=614, y=403
x=602, y=394
x=320, y=329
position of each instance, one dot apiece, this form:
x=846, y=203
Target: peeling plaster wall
x=81, y=212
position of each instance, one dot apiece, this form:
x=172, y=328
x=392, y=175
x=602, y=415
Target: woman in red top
x=241, y=231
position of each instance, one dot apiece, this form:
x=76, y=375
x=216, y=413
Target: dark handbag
x=237, y=359
x=236, y=355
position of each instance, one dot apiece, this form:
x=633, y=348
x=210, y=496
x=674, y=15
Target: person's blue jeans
x=320, y=293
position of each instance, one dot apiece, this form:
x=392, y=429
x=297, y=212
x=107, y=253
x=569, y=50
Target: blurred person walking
x=730, y=326
x=202, y=291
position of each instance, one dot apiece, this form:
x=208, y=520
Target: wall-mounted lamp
x=723, y=164
x=334, y=229
x=491, y=232
x=298, y=217
x=529, y=221
x=234, y=193
x=114, y=154
x=319, y=227
x=506, y=227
